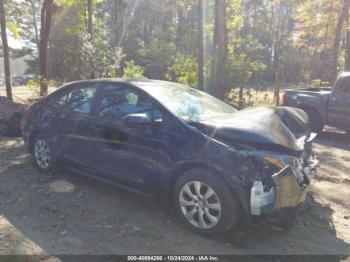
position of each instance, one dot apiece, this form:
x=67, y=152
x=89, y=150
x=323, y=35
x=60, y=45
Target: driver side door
x=127, y=155
x=339, y=104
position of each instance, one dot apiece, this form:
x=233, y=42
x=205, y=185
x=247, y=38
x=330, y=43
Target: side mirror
x=137, y=120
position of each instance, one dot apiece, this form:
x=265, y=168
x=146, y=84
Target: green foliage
x=251, y=97
x=319, y=83
x=34, y=84
x=13, y=14
x=131, y=70
x=183, y=69
x=158, y=39
x=244, y=61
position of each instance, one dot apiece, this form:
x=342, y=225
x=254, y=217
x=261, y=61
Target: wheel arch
x=307, y=109
x=234, y=186
x=321, y=120
x=31, y=138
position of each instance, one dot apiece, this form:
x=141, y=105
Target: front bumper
x=289, y=191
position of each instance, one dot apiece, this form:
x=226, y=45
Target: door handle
x=338, y=99
x=334, y=99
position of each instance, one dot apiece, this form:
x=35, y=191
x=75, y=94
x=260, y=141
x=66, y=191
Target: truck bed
x=311, y=90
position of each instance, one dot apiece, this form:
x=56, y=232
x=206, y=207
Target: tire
x=217, y=204
x=316, y=121
x=44, y=154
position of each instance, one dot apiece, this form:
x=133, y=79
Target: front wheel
x=45, y=157
x=204, y=203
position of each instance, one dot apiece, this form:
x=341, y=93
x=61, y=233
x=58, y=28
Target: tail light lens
x=27, y=110
x=284, y=98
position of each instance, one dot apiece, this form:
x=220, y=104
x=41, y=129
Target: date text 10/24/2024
x=173, y=258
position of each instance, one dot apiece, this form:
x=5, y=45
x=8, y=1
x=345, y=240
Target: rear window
x=80, y=99
x=58, y=101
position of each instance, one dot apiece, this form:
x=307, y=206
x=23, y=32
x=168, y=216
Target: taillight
x=284, y=99
x=27, y=110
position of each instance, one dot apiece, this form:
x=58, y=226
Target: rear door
x=75, y=120
x=339, y=103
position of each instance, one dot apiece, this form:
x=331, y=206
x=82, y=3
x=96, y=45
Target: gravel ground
x=69, y=214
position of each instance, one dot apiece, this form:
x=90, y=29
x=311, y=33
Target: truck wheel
x=205, y=203
x=316, y=122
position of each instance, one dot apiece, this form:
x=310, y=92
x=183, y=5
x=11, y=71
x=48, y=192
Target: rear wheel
x=316, y=121
x=44, y=154
x=204, y=203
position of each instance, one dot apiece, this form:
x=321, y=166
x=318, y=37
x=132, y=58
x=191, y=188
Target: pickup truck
x=326, y=105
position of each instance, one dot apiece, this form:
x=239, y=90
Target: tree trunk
x=212, y=79
x=90, y=28
x=179, y=27
x=46, y=16
x=200, y=45
x=119, y=21
x=277, y=44
x=347, y=41
x=347, y=51
x=277, y=88
x=35, y=25
x=337, y=37
x=218, y=87
x=240, y=96
x=90, y=31
x=5, y=50
x=119, y=10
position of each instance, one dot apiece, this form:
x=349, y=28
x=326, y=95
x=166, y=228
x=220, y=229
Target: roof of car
x=141, y=83
x=345, y=74
x=119, y=80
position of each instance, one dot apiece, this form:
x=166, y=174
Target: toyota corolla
x=172, y=142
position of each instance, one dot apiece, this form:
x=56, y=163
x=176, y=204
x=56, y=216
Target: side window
x=58, y=101
x=119, y=101
x=80, y=99
x=344, y=87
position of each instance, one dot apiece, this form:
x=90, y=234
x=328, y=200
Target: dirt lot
x=21, y=94
x=70, y=214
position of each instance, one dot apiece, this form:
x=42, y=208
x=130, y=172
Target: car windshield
x=187, y=103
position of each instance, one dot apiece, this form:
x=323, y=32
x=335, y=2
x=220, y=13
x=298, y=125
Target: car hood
x=269, y=128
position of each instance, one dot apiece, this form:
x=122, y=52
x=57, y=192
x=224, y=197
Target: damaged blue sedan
x=169, y=141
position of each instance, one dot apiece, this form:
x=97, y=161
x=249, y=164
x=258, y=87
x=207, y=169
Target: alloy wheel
x=42, y=153
x=200, y=204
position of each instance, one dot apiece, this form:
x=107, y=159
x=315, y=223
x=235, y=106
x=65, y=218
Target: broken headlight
x=295, y=163
x=282, y=161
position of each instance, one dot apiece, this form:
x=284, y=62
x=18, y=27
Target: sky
x=13, y=43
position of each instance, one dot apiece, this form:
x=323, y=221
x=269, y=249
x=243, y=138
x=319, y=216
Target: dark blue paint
x=149, y=157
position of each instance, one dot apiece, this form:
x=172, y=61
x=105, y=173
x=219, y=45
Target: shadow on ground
x=334, y=138
x=70, y=214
